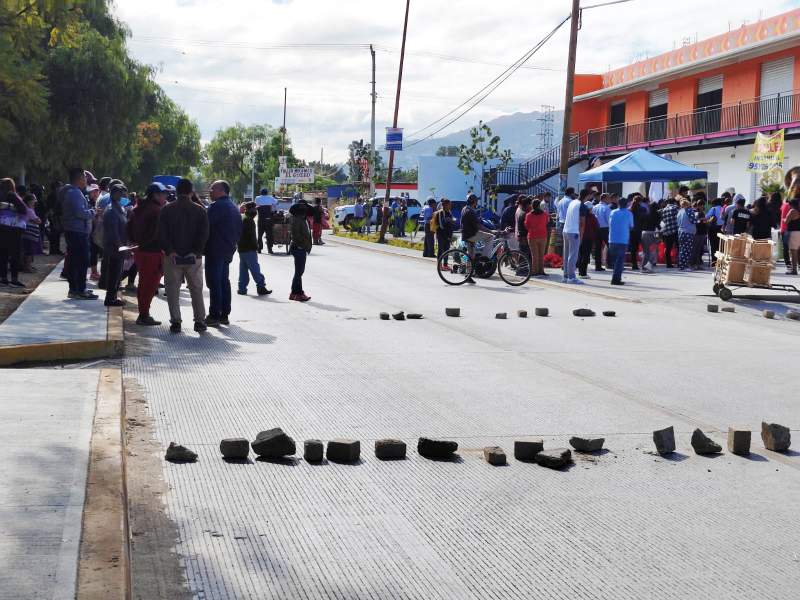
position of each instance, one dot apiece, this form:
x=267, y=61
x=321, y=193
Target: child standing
x=248, y=254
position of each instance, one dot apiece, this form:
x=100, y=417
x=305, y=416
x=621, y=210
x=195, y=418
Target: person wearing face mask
x=143, y=231
x=114, y=236
x=248, y=254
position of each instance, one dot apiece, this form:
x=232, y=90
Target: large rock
x=776, y=437
x=501, y=315
x=273, y=443
x=452, y=312
x=739, y=441
x=554, y=459
x=399, y=316
x=769, y=314
x=541, y=311
x=313, y=451
x=793, y=315
x=703, y=444
x=234, y=448
x=712, y=308
x=390, y=449
x=430, y=448
x=522, y=314
x=583, y=312
x=582, y=444
x=178, y=453
x=343, y=450
x=414, y=316
x=664, y=439
x=527, y=449
x=494, y=455
x=384, y=316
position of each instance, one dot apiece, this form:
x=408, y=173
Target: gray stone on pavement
x=582, y=444
x=703, y=444
x=776, y=437
x=664, y=439
x=501, y=316
x=527, y=449
x=390, y=449
x=399, y=316
x=728, y=309
x=541, y=312
x=431, y=448
x=452, y=312
x=793, y=315
x=343, y=450
x=234, y=448
x=609, y=313
x=494, y=455
x=313, y=451
x=178, y=453
x=385, y=316
x=555, y=458
x=522, y=314
x=712, y=308
x=739, y=441
x=583, y=312
x=273, y=443
x=414, y=316
x=769, y=314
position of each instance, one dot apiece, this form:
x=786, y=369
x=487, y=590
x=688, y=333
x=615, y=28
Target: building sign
x=291, y=176
x=394, y=138
x=767, y=153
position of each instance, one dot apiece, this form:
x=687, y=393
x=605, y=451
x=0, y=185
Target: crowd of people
x=614, y=230
x=167, y=234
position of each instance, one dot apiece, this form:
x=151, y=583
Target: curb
x=104, y=555
x=538, y=282
x=112, y=346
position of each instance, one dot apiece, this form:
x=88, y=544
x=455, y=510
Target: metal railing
x=712, y=121
x=528, y=174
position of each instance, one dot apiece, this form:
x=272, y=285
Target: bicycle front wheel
x=514, y=268
x=455, y=267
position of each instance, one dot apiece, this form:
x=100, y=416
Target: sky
x=229, y=61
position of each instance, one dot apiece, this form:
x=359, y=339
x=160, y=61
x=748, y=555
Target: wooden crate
x=731, y=270
x=759, y=250
x=758, y=272
x=733, y=246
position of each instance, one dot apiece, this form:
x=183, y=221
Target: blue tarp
x=641, y=165
x=167, y=179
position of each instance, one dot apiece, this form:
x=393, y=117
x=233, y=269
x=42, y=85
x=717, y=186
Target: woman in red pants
x=143, y=232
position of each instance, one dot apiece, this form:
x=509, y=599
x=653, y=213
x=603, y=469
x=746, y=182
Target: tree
x=483, y=148
x=359, y=155
x=230, y=155
x=447, y=151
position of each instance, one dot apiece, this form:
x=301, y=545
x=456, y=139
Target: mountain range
x=518, y=132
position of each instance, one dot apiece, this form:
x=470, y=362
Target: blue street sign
x=394, y=138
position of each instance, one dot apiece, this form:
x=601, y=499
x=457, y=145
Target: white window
x=709, y=84
x=777, y=79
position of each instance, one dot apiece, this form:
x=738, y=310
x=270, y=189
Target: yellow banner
x=767, y=153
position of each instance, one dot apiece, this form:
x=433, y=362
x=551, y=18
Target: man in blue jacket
x=76, y=220
x=224, y=231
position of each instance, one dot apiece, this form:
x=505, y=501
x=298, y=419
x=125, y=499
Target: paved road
x=625, y=524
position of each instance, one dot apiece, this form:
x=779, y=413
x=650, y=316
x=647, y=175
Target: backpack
x=434, y=222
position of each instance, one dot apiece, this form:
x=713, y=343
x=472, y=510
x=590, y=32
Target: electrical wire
x=488, y=88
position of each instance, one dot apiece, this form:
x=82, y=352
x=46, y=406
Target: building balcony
x=700, y=125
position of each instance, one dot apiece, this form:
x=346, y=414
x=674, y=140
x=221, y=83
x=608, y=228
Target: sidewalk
x=49, y=327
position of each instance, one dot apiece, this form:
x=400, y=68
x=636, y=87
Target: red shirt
x=785, y=208
x=536, y=225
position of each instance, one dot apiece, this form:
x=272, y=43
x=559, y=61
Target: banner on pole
x=767, y=153
x=394, y=139
x=292, y=176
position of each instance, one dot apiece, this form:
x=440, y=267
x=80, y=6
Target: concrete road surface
x=623, y=524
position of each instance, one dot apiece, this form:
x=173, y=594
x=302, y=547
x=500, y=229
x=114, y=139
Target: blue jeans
x=572, y=244
x=616, y=258
x=218, y=283
x=299, y=268
x=78, y=252
x=248, y=263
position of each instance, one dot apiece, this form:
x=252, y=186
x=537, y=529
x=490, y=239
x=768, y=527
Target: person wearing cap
x=182, y=235
x=114, y=236
x=299, y=247
x=740, y=216
x=265, y=205
x=143, y=231
x=76, y=220
x=224, y=231
x=428, y=249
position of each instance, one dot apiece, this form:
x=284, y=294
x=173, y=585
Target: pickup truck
x=344, y=214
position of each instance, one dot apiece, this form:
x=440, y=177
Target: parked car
x=344, y=214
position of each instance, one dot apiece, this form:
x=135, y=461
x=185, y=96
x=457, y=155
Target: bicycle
x=513, y=267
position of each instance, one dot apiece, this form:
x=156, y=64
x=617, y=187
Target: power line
x=488, y=88
x=462, y=59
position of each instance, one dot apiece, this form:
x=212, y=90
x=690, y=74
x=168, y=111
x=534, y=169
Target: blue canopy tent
x=641, y=165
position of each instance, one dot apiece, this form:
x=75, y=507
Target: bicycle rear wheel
x=455, y=267
x=514, y=268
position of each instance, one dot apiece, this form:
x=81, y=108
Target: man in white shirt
x=561, y=214
x=574, y=221
x=265, y=205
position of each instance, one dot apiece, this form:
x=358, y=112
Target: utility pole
x=372, y=130
x=283, y=129
x=397, y=102
x=573, y=44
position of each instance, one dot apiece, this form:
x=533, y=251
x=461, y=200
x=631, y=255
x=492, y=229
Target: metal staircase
x=528, y=177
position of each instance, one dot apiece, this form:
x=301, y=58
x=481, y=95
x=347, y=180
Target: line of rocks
x=775, y=437
x=399, y=316
x=522, y=314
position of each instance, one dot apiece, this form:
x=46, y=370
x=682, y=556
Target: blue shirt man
x=602, y=211
x=358, y=210
x=620, y=223
x=224, y=231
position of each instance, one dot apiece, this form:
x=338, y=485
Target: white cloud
x=217, y=59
